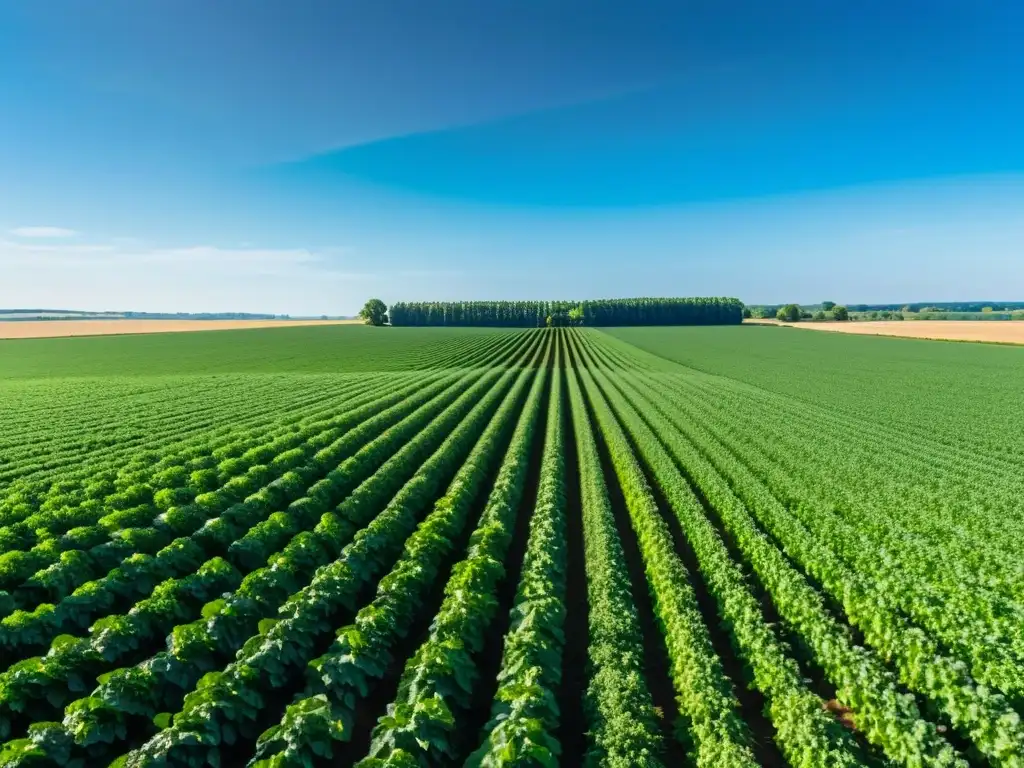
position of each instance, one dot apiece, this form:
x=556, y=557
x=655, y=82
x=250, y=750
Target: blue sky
x=300, y=157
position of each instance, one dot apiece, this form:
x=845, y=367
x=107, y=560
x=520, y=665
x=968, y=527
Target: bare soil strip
x=33, y=329
x=992, y=331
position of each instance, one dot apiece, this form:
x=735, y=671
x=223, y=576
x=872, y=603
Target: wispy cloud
x=55, y=251
x=44, y=232
x=121, y=274
x=118, y=253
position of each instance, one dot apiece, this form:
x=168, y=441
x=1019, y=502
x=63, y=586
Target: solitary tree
x=841, y=313
x=576, y=316
x=374, y=312
x=827, y=306
x=789, y=313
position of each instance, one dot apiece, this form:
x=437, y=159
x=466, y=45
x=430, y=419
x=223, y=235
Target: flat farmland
x=398, y=547
x=39, y=329
x=993, y=331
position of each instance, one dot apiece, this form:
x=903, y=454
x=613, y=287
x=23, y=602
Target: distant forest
x=599, y=312
x=919, y=306
x=942, y=306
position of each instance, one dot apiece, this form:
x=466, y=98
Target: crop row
x=886, y=717
x=391, y=578
x=229, y=705
x=128, y=427
x=232, y=541
x=524, y=715
x=143, y=467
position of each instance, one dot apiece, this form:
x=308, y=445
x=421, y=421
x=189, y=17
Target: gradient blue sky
x=300, y=156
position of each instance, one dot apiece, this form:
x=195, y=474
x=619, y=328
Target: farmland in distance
x=57, y=328
x=992, y=331
x=490, y=547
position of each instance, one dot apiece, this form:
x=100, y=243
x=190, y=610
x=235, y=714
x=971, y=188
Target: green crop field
x=330, y=349
x=401, y=547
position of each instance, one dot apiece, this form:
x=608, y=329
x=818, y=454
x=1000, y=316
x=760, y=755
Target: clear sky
x=298, y=157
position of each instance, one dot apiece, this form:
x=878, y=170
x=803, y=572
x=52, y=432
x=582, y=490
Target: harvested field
x=41, y=329
x=999, y=331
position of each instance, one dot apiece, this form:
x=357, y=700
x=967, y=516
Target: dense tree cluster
x=374, y=312
x=789, y=313
x=599, y=312
x=793, y=313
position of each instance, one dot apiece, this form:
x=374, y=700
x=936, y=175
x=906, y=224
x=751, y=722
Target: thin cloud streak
x=116, y=275
x=43, y=232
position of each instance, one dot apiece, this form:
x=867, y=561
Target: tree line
x=538, y=314
x=792, y=313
